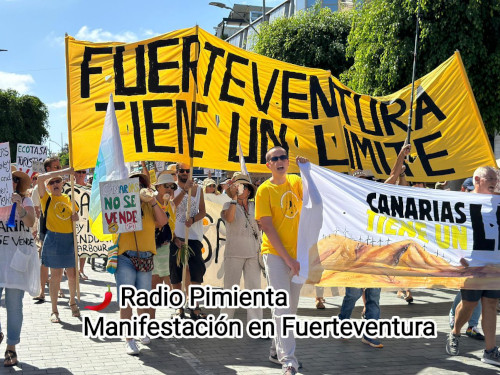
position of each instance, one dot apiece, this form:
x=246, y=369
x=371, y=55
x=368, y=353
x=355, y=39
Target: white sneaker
x=145, y=340
x=131, y=347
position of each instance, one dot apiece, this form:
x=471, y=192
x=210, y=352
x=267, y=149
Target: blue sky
x=33, y=33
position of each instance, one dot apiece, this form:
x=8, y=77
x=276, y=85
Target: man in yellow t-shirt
x=277, y=205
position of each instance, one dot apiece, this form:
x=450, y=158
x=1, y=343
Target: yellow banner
x=188, y=93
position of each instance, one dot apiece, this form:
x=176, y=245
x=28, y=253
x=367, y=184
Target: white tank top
x=196, y=230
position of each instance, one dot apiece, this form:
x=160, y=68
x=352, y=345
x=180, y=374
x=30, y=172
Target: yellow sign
x=188, y=93
x=152, y=176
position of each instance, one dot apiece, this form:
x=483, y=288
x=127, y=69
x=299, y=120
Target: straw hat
x=208, y=181
x=25, y=182
x=245, y=180
x=165, y=178
x=140, y=175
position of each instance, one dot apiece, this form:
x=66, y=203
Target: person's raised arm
x=398, y=167
x=46, y=176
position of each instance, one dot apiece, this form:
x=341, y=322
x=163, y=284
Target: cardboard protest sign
x=152, y=176
x=88, y=245
x=357, y=233
x=121, y=206
x=189, y=93
x=37, y=166
x=27, y=154
x=160, y=166
x=6, y=188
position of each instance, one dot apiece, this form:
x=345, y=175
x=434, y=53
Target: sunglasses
x=169, y=186
x=81, y=172
x=276, y=158
x=58, y=181
x=16, y=179
x=183, y=170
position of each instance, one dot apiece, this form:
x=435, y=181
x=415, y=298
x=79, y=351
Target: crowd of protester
x=257, y=228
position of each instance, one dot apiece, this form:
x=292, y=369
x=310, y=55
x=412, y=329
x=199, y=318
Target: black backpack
x=43, y=218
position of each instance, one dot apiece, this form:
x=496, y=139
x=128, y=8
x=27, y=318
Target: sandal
x=75, y=311
x=320, y=303
x=61, y=294
x=409, y=299
x=83, y=276
x=197, y=314
x=10, y=358
x=54, y=318
x=39, y=299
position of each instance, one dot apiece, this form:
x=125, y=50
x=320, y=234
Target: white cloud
x=57, y=105
x=100, y=35
x=55, y=40
x=19, y=82
x=149, y=33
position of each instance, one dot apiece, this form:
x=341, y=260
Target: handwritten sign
x=27, y=154
x=6, y=189
x=37, y=166
x=121, y=206
x=88, y=245
x=160, y=166
x=152, y=176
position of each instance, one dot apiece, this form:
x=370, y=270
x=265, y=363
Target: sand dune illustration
x=337, y=253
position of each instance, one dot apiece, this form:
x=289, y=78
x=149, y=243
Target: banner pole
x=191, y=161
x=70, y=149
x=410, y=117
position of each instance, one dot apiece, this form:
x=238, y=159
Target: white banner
x=361, y=233
x=88, y=245
x=27, y=154
x=6, y=189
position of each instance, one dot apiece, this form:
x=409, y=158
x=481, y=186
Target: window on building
x=254, y=15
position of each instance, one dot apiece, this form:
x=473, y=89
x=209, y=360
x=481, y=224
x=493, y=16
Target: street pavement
x=48, y=348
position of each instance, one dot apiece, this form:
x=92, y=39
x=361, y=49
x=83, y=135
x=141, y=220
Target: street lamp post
x=224, y=6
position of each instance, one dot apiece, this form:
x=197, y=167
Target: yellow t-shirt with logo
x=145, y=237
x=59, y=212
x=283, y=204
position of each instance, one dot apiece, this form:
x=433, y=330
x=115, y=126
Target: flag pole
x=410, y=117
x=72, y=177
x=191, y=161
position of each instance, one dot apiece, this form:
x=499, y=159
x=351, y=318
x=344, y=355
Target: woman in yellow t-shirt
x=138, y=244
x=58, y=250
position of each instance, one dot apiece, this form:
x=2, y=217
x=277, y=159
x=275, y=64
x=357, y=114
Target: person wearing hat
x=58, y=250
x=14, y=280
x=165, y=186
x=209, y=187
x=241, y=255
x=468, y=185
x=138, y=244
x=49, y=165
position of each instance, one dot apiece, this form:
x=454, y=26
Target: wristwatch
x=233, y=202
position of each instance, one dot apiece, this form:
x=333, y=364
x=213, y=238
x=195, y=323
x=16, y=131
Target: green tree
x=64, y=156
x=316, y=38
x=23, y=119
x=382, y=42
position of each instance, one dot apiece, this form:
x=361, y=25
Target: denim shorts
x=58, y=250
x=126, y=273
